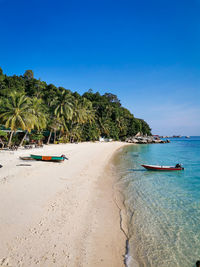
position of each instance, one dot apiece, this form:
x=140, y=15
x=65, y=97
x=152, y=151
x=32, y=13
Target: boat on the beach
x=177, y=167
x=26, y=158
x=49, y=158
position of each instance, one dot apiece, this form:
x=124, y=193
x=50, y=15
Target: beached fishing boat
x=177, y=167
x=26, y=158
x=48, y=158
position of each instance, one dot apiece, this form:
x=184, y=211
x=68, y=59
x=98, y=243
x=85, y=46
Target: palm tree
x=120, y=120
x=64, y=105
x=104, y=125
x=54, y=125
x=37, y=110
x=89, y=111
x=63, y=110
x=75, y=133
x=16, y=113
x=82, y=113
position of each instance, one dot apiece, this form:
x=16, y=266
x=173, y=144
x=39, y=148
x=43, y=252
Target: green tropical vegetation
x=31, y=107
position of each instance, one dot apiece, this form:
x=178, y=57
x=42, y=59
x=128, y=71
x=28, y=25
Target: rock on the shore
x=145, y=140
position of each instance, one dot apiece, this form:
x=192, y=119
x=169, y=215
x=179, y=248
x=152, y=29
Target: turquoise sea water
x=163, y=208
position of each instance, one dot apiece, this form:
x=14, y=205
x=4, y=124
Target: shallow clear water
x=163, y=208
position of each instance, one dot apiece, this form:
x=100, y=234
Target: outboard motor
x=178, y=165
x=63, y=156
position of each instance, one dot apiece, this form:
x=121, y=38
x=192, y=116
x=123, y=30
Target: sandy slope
x=64, y=214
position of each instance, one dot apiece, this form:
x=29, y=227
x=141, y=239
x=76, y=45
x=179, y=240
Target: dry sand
x=60, y=214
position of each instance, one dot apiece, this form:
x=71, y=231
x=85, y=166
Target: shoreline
x=57, y=214
x=120, y=199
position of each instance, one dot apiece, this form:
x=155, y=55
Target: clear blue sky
x=147, y=52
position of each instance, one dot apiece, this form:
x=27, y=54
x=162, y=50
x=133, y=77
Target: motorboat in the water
x=177, y=167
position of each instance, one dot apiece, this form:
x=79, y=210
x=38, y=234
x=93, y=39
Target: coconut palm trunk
x=54, y=137
x=60, y=133
x=49, y=138
x=10, y=138
x=21, y=143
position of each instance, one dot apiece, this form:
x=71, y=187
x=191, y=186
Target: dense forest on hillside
x=55, y=114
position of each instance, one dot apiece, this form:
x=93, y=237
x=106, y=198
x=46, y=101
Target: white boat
x=177, y=167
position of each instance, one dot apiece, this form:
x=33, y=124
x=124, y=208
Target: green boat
x=49, y=158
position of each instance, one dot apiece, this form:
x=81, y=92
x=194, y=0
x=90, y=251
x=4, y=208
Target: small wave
x=129, y=260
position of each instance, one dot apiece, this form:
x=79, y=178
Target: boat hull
x=161, y=168
x=47, y=158
x=26, y=158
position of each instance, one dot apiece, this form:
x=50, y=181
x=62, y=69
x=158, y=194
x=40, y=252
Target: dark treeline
x=55, y=114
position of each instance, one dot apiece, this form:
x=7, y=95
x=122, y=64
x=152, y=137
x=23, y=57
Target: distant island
x=32, y=110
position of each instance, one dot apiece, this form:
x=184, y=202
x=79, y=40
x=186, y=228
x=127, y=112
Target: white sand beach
x=60, y=214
